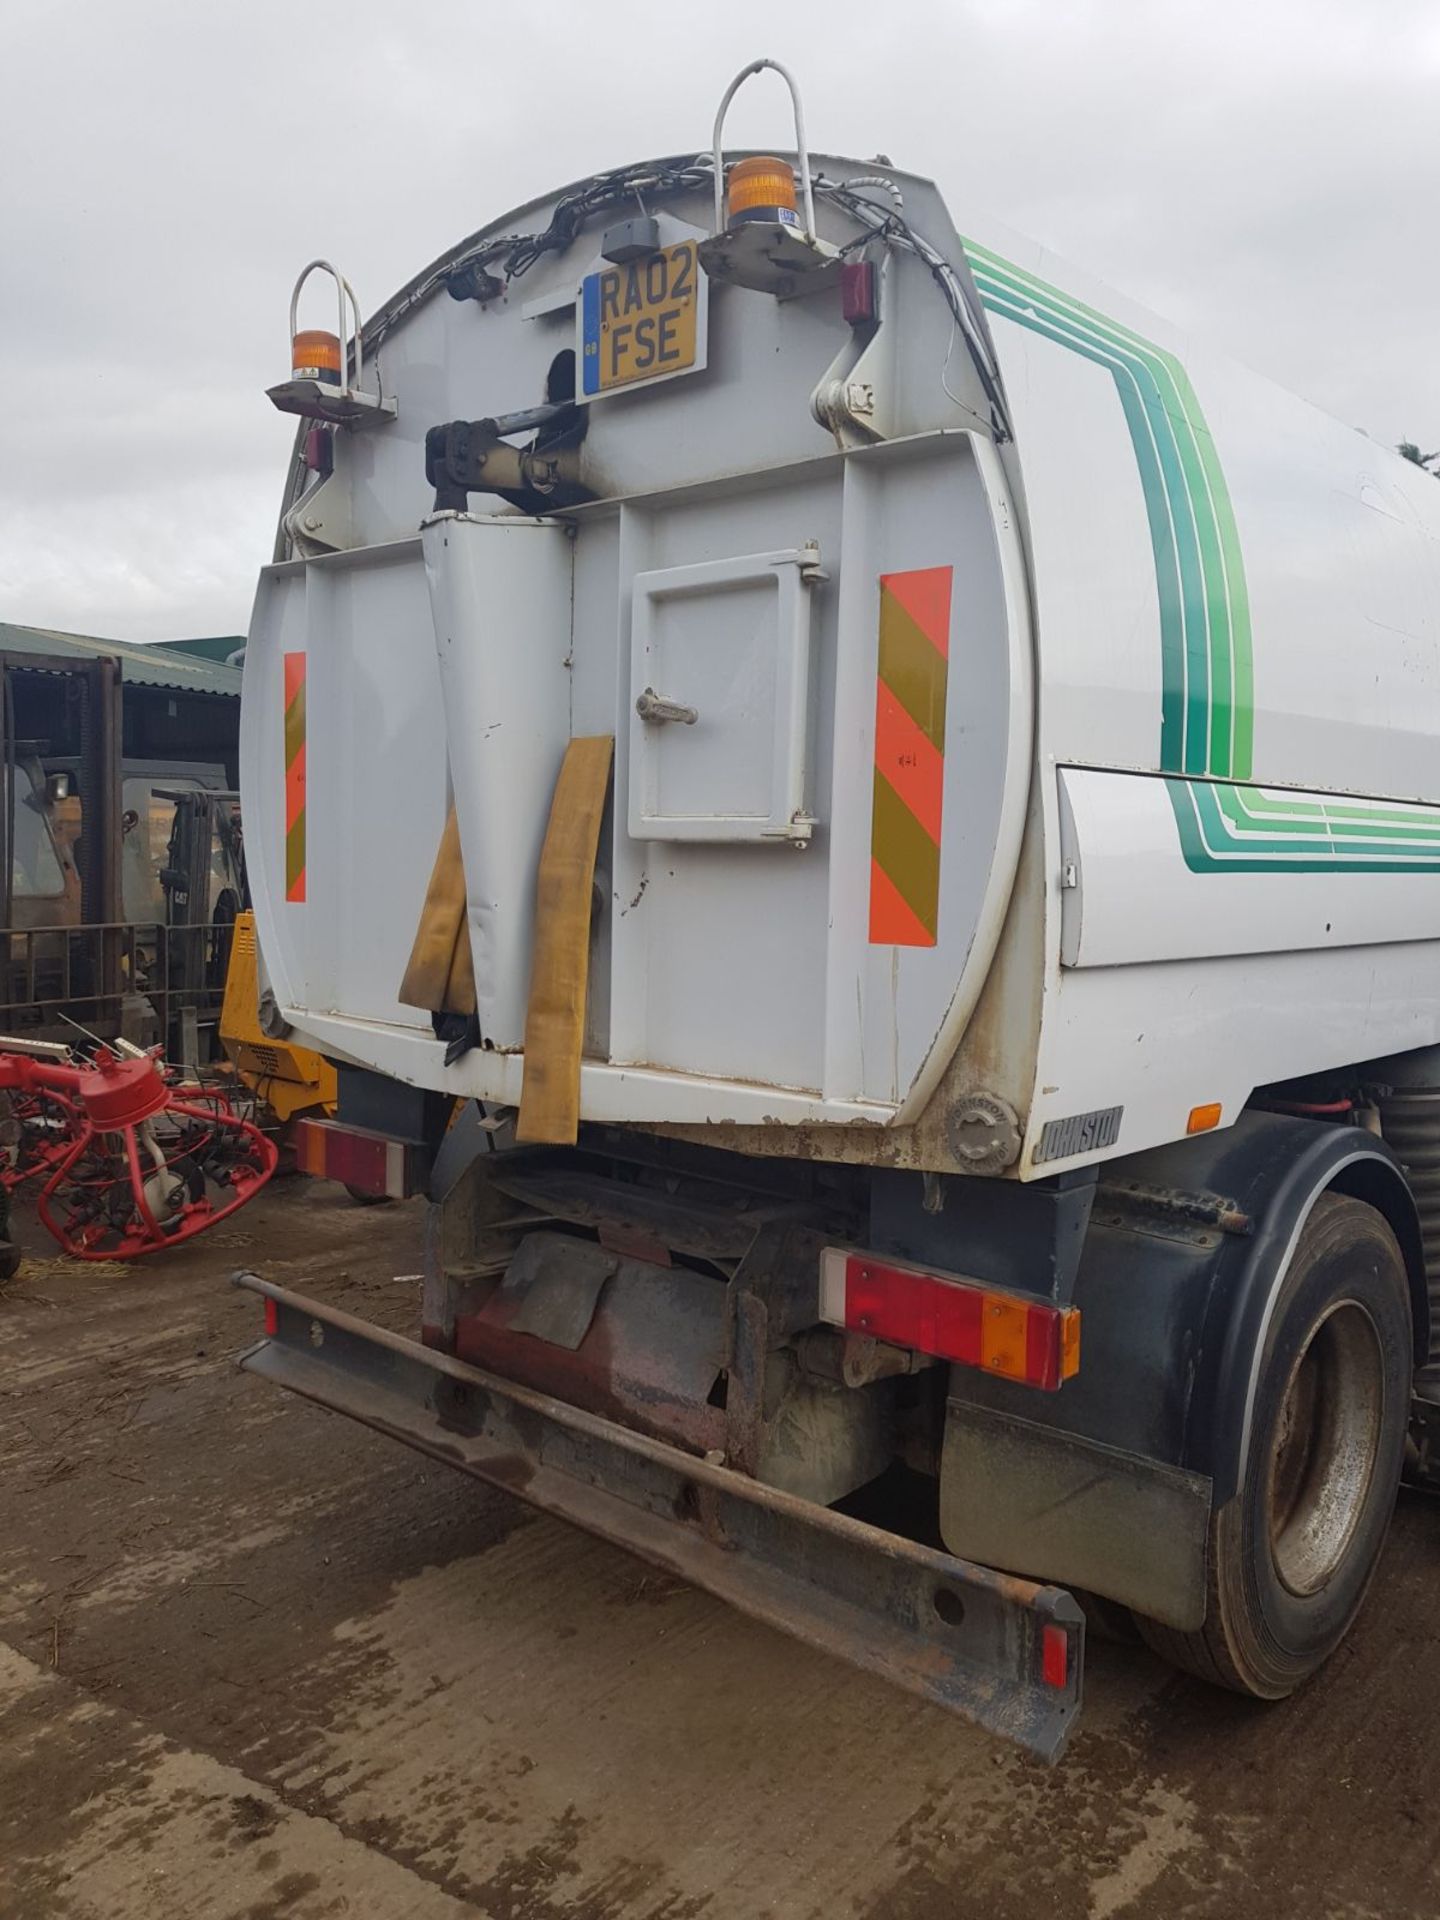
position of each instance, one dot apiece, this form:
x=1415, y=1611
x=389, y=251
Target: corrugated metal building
x=172, y=665
x=176, y=707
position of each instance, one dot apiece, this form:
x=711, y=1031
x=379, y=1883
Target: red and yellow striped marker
x=913, y=675
x=295, y=776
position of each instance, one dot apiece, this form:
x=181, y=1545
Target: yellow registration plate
x=642, y=320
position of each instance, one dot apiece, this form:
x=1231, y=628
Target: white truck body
x=1188, y=763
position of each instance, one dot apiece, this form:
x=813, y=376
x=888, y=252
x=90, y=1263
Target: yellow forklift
x=287, y=1078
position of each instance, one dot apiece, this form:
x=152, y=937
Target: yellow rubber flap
x=441, y=973
x=560, y=968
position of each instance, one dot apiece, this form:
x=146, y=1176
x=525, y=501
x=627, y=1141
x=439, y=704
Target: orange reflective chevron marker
x=295, y=776
x=913, y=677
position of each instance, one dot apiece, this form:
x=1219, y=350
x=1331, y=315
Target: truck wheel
x=1292, y=1553
x=11, y=1254
x=362, y=1198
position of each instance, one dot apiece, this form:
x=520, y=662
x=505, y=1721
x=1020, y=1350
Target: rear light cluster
x=369, y=1163
x=1001, y=1333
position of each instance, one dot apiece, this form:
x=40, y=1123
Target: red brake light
x=272, y=1318
x=320, y=451
x=857, y=293
x=1055, y=1656
x=1002, y=1333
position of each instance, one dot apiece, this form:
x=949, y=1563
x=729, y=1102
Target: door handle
x=653, y=708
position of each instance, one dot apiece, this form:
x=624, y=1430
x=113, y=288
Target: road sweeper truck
x=895, y=798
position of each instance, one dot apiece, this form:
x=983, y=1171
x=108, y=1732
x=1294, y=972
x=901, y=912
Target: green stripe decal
x=1222, y=830
x=1207, y=682
x=1205, y=647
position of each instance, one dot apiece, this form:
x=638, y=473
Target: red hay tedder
x=130, y=1158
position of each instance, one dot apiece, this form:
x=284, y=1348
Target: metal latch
x=653, y=707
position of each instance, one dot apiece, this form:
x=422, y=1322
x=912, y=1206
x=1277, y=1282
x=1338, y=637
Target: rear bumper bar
x=965, y=1637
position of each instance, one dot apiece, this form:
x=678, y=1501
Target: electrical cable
x=517, y=253
x=896, y=231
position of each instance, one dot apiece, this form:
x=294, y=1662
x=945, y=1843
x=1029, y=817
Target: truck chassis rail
x=963, y=1636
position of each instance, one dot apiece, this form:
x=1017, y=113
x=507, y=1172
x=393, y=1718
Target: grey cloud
x=1263, y=173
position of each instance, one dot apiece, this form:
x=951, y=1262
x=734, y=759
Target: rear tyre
x=364, y=1199
x=1291, y=1555
x=10, y=1253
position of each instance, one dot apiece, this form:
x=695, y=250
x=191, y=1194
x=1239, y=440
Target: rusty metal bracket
x=1173, y=1212
x=962, y=1636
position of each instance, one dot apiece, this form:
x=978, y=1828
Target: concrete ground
x=256, y=1662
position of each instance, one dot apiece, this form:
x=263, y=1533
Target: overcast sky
x=1264, y=171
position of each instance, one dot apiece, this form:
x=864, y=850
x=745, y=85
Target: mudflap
x=1004, y=1653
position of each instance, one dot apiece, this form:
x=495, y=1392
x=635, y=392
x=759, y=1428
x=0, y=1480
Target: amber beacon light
x=327, y=377
x=762, y=188
x=315, y=355
x=764, y=236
